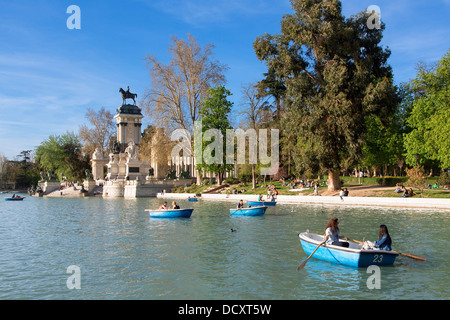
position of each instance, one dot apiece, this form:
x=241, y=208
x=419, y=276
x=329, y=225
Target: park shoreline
x=391, y=202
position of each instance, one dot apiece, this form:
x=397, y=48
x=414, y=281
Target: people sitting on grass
x=406, y=193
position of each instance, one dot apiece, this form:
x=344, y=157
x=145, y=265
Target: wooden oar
x=402, y=253
x=304, y=262
x=236, y=211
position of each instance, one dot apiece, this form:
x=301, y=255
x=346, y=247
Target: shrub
x=444, y=179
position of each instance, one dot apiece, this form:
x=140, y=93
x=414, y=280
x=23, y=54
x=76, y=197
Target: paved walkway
x=392, y=202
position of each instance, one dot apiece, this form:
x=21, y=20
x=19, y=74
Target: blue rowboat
x=253, y=211
x=14, y=199
x=170, y=213
x=262, y=203
x=353, y=256
x=193, y=199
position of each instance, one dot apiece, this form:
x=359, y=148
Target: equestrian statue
x=128, y=95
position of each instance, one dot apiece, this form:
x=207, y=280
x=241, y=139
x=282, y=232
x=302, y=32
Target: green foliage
x=430, y=116
x=444, y=179
x=23, y=173
x=172, y=174
x=336, y=74
x=383, y=143
x=214, y=115
x=62, y=155
x=416, y=177
x=184, y=174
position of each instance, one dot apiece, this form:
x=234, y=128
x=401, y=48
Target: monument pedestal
x=89, y=186
x=136, y=189
x=49, y=186
x=113, y=189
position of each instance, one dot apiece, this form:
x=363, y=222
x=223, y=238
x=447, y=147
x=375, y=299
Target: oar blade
x=300, y=267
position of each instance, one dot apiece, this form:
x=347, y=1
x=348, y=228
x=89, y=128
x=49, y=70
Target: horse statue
x=128, y=95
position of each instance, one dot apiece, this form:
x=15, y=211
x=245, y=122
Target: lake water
x=122, y=253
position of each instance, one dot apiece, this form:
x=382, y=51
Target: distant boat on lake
x=251, y=211
x=170, y=213
x=262, y=203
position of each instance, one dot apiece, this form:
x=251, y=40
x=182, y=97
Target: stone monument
x=98, y=163
x=127, y=175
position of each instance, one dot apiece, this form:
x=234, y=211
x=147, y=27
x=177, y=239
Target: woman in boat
x=332, y=234
x=384, y=241
x=174, y=205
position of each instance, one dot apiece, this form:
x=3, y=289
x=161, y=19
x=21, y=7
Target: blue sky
x=50, y=75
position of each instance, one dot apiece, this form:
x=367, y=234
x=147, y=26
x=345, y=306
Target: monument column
x=98, y=163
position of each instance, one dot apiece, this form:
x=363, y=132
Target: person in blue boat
x=332, y=234
x=174, y=205
x=163, y=206
x=384, y=241
x=240, y=204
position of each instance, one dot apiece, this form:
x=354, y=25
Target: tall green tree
x=430, y=116
x=383, y=144
x=214, y=115
x=336, y=74
x=22, y=172
x=62, y=155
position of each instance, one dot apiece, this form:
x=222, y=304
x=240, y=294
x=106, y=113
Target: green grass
x=348, y=182
x=191, y=189
x=282, y=190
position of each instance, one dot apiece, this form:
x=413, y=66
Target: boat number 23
x=377, y=258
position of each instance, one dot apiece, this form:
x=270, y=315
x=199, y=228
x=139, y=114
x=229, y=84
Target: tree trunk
x=334, y=183
x=199, y=177
x=253, y=176
x=219, y=176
